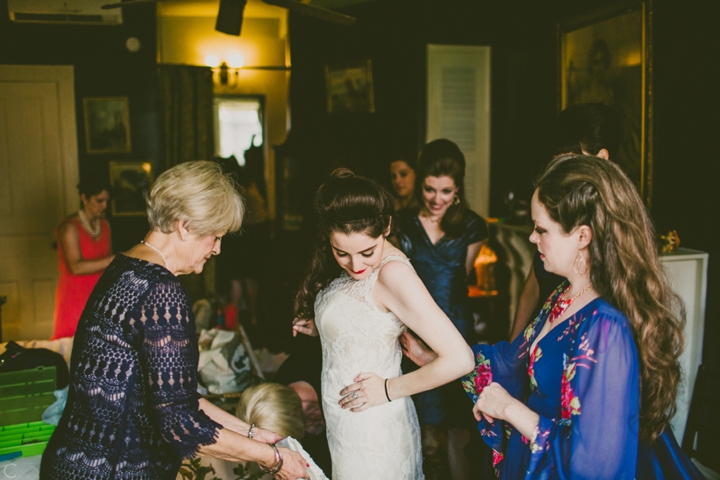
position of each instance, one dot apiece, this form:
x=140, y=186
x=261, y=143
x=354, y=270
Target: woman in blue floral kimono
x=588, y=390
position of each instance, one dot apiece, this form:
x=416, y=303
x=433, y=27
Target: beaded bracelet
x=250, y=432
x=278, y=461
x=386, y=392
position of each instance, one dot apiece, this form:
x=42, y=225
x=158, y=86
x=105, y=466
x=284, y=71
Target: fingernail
x=307, y=465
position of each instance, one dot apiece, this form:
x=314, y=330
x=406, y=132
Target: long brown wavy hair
x=624, y=269
x=439, y=158
x=345, y=204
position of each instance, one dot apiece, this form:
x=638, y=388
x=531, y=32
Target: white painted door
x=458, y=108
x=38, y=174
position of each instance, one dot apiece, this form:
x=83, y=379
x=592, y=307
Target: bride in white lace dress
x=360, y=295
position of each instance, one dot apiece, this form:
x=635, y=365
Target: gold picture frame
x=350, y=88
x=606, y=57
x=131, y=182
x=107, y=125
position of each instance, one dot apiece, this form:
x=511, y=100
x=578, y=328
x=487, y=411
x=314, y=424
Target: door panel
x=33, y=183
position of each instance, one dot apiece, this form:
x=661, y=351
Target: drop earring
x=580, y=266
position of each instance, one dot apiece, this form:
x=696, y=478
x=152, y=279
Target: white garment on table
x=382, y=441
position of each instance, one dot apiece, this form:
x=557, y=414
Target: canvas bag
x=224, y=364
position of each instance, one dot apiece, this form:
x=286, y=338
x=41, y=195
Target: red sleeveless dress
x=73, y=290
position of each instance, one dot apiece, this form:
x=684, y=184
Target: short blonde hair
x=199, y=193
x=273, y=407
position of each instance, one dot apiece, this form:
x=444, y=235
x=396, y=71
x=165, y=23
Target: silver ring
x=354, y=396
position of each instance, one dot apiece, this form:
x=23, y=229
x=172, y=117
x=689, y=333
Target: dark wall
x=686, y=194
x=395, y=35
x=103, y=67
x=522, y=34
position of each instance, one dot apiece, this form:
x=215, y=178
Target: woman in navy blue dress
x=441, y=237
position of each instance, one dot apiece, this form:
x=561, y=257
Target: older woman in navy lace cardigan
x=133, y=410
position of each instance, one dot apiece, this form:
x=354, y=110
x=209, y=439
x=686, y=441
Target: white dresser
x=687, y=271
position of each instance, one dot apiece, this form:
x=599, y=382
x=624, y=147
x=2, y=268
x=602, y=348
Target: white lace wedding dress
x=382, y=442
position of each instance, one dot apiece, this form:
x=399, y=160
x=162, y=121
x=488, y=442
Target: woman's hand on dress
x=294, y=466
x=416, y=350
x=367, y=391
x=305, y=326
x=493, y=403
x=265, y=436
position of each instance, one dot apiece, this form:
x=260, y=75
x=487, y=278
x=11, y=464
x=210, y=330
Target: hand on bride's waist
x=369, y=390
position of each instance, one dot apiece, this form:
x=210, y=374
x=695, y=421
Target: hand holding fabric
x=305, y=326
x=415, y=350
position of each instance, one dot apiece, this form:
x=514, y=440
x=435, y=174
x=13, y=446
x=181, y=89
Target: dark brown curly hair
x=345, y=204
x=624, y=269
x=439, y=158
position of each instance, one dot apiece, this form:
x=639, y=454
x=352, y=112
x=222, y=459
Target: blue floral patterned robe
x=583, y=380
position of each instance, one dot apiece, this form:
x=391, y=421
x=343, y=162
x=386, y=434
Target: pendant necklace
x=561, y=305
x=431, y=219
x=94, y=232
x=158, y=251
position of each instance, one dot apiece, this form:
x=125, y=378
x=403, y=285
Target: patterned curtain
x=186, y=133
x=186, y=114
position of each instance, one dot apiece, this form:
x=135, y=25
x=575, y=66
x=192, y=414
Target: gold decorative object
x=485, y=271
x=671, y=241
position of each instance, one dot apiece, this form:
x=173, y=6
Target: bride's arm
x=401, y=291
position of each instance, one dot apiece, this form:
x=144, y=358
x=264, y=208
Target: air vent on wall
x=87, y=12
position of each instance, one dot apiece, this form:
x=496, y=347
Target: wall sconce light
x=225, y=74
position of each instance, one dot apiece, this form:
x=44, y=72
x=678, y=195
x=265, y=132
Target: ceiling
x=254, y=8
x=335, y=4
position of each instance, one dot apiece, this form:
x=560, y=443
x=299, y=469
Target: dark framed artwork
x=350, y=88
x=606, y=57
x=107, y=125
x=131, y=182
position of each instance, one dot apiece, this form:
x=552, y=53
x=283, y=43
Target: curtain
x=186, y=133
x=186, y=114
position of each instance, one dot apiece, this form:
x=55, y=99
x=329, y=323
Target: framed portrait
x=107, y=125
x=350, y=88
x=606, y=57
x=131, y=182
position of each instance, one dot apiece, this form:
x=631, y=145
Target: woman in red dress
x=84, y=251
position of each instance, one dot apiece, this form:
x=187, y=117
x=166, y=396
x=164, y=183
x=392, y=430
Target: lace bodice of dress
x=356, y=335
x=382, y=441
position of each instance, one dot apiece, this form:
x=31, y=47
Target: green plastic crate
x=24, y=440
x=24, y=396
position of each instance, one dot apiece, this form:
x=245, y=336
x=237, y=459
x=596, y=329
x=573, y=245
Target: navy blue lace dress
x=132, y=409
x=442, y=268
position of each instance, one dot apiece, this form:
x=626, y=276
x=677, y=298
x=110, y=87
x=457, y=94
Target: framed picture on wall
x=131, y=182
x=606, y=57
x=350, y=88
x=107, y=125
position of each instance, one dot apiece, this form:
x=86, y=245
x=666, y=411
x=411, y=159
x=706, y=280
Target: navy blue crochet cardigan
x=132, y=409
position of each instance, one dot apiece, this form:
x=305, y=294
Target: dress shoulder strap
x=363, y=289
x=394, y=256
